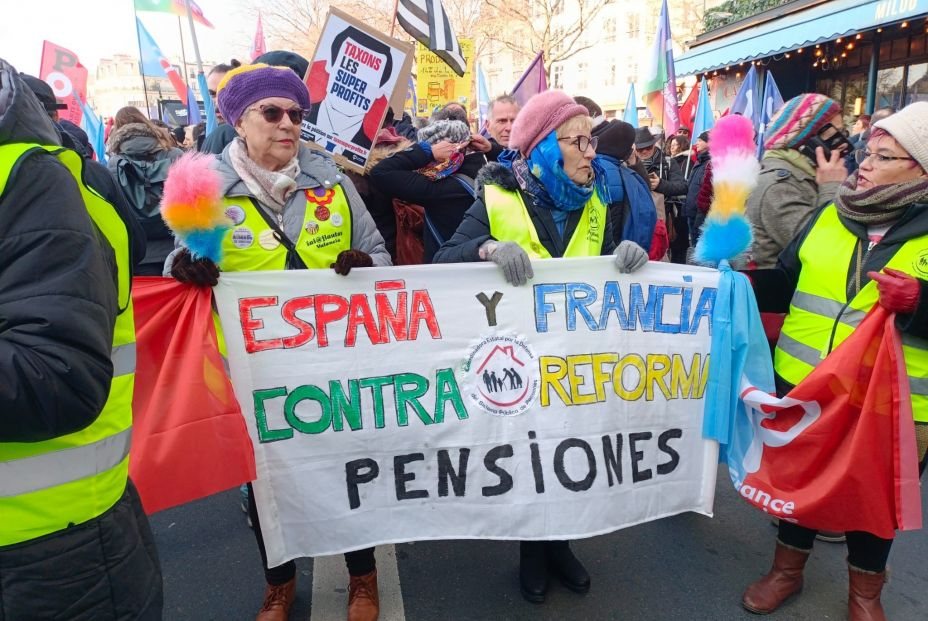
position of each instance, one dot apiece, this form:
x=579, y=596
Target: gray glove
x=629, y=257
x=517, y=268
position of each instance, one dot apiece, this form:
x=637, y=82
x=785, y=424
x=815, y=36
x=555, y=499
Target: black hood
x=22, y=117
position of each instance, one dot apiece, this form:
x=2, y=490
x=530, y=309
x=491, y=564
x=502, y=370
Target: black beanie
x=615, y=139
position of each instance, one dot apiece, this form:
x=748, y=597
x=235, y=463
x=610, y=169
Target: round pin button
x=236, y=214
x=337, y=219
x=268, y=240
x=242, y=237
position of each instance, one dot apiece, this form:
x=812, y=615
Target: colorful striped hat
x=800, y=118
x=246, y=84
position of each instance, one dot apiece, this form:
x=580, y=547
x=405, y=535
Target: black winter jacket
x=444, y=200
x=673, y=182
x=695, y=183
x=475, y=229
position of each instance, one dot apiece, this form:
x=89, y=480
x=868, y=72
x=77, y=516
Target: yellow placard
x=437, y=84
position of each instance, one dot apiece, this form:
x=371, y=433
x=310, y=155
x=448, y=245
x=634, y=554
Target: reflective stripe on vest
x=510, y=221
x=251, y=246
x=821, y=317
x=47, y=486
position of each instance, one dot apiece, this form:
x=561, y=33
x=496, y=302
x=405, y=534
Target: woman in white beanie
x=875, y=233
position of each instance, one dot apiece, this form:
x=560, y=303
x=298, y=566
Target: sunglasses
x=274, y=114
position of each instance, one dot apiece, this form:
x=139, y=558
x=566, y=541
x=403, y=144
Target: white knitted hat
x=909, y=127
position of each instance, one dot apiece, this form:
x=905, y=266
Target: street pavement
x=688, y=567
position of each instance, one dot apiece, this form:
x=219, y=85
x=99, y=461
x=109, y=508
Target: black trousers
x=359, y=562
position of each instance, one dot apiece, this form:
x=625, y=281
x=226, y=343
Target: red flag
x=838, y=453
x=62, y=70
x=258, y=46
x=688, y=109
x=189, y=438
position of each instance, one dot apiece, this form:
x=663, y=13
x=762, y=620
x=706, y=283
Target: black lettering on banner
x=359, y=471
x=489, y=462
x=613, y=458
x=662, y=444
x=637, y=456
x=446, y=472
x=536, y=465
x=401, y=477
x=489, y=305
x=586, y=482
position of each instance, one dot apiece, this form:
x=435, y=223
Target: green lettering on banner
x=376, y=385
x=343, y=406
x=411, y=397
x=446, y=389
x=308, y=393
x=265, y=434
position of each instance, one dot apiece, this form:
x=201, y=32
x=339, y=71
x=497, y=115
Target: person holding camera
x=803, y=167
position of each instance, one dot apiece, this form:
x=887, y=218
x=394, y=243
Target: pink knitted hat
x=541, y=115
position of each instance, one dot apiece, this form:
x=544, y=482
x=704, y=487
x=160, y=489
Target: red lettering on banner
x=306, y=331
x=422, y=310
x=250, y=325
x=326, y=316
x=360, y=314
x=394, y=319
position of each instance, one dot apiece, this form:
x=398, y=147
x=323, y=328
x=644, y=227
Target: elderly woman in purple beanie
x=546, y=199
x=291, y=208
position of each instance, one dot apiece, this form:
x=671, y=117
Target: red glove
x=898, y=291
x=197, y=272
x=351, y=258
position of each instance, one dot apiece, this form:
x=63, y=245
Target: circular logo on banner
x=60, y=83
x=267, y=239
x=920, y=263
x=322, y=213
x=501, y=375
x=337, y=219
x=242, y=237
x=236, y=214
x=312, y=227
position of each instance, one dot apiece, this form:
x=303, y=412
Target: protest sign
x=356, y=73
x=437, y=83
x=439, y=402
x=63, y=71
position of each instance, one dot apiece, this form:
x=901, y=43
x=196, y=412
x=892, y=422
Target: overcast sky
x=95, y=29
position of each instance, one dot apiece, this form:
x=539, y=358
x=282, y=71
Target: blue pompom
x=205, y=244
x=723, y=240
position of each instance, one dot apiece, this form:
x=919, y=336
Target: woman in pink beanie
x=546, y=199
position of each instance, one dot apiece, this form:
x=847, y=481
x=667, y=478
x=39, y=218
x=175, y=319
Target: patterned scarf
x=272, y=189
x=879, y=204
x=440, y=170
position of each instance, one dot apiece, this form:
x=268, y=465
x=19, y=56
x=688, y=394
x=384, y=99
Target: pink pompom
x=732, y=135
x=192, y=199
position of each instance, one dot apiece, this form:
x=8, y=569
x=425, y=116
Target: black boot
x=563, y=564
x=533, y=571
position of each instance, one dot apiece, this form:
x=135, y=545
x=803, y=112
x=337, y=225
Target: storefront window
x=855, y=101
x=917, y=83
x=889, y=87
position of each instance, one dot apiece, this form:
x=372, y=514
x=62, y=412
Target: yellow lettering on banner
x=553, y=370
x=682, y=384
x=701, y=389
x=658, y=368
x=600, y=376
x=576, y=380
x=618, y=385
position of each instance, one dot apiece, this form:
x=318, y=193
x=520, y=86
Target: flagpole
x=193, y=35
x=396, y=7
x=141, y=71
x=183, y=53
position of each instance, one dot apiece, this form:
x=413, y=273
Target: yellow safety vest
x=821, y=317
x=251, y=244
x=510, y=221
x=50, y=485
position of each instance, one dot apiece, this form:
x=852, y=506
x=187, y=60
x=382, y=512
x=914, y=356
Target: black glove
x=197, y=272
x=348, y=259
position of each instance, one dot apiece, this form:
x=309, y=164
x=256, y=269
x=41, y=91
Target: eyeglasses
x=273, y=114
x=860, y=156
x=582, y=142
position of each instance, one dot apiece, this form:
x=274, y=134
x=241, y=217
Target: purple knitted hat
x=247, y=84
x=542, y=114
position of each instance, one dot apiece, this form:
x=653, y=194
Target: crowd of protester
x=551, y=179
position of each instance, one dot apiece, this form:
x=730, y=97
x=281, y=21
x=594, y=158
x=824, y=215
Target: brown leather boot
x=363, y=598
x=277, y=602
x=863, y=598
x=783, y=580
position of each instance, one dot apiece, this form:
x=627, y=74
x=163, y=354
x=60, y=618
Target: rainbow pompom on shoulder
x=192, y=206
x=727, y=232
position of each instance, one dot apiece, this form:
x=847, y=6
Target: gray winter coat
x=781, y=206
x=315, y=170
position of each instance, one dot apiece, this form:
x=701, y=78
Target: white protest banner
x=356, y=74
x=439, y=402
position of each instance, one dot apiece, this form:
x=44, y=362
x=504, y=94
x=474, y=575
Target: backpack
x=142, y=183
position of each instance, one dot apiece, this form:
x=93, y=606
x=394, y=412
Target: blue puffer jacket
x=626, y=187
